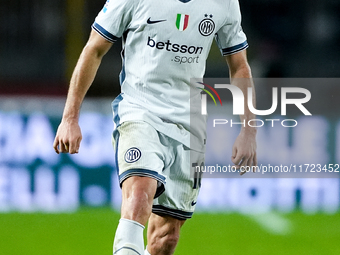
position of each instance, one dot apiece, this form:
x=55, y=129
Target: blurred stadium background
x=61, y=204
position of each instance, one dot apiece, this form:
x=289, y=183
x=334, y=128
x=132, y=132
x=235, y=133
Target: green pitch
x=90, y=231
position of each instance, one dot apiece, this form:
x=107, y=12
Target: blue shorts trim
x=177, y=214
x=145, y=173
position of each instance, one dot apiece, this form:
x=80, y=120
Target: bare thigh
x=138, y=193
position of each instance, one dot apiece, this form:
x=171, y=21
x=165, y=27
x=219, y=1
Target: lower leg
x=138, y=194
x=163, y=234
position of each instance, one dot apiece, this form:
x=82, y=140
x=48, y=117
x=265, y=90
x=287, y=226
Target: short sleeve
x=114, y=19
x=230, y=37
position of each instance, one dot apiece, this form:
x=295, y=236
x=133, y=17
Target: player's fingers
x=77, y=148
x=74, y=146
x=78, y=143
x=243, y=172
x=55, y=145
x=67, y=147
x=237, y=159
x=246, y=160
x=250, y=165
x=234, y=152
x=255, y=160
x=63, y=147
x=244, y=166
x=238, y=166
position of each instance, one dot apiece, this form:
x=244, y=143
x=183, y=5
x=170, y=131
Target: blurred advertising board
x=34, y=178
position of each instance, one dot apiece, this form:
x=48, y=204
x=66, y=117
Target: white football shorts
x=141, y=150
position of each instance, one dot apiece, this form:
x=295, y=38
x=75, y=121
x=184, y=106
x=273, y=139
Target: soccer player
x=165, y=44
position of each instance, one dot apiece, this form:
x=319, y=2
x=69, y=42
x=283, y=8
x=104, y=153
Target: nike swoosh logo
x=193, y=203
x=149, y=21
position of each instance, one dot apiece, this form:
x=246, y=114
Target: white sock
x=146, y=251
x=129, y=238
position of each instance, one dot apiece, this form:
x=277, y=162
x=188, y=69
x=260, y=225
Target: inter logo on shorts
x=206, y=26
x=182, y=21
x=132, y=155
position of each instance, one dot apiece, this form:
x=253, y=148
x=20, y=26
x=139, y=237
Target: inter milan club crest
x=207, y=25
x=132, y=155
x=182, y=21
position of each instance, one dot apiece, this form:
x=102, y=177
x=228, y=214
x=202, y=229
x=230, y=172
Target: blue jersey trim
x=116, y=137
x=184, y=1
x=104, y=33
x=122, y=73
x=235, y=49
x=115, y=106
x=178, y=214
x=145, y=173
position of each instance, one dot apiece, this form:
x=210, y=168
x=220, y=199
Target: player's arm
x=68, y=136
x=244, y=149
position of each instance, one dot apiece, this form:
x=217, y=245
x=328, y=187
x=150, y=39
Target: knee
x=137, y=203
x=138, y=195
x=139, y=190
x=137, y=198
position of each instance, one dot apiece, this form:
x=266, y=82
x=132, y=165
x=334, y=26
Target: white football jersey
x=166, y=43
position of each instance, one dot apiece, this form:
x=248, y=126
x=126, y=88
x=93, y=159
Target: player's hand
x=244, y=150
x=68, y=137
